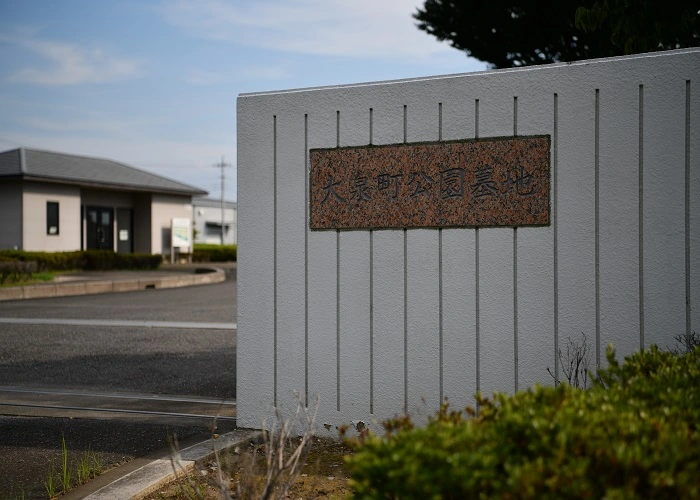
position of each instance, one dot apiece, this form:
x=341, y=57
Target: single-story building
x=61, y=202
x=207, y=217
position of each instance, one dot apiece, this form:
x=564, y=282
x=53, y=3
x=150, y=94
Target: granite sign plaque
x=471, y=183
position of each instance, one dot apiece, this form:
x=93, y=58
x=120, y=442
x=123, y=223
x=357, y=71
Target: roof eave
x=106, y=185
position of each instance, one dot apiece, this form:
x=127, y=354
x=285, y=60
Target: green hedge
x=14, y=271
x=214, y=253
x=635, y=434
x=90, y=260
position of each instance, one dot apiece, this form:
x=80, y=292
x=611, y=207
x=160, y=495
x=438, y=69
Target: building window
x=52, y=217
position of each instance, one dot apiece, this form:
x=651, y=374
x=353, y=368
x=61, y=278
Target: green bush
x=214, y=253
x=14, y=271
x=90, y=260
x=634, y=434
x=105, y=260
x=47, y=261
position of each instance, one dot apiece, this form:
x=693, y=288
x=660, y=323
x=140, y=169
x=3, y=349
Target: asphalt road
x=93, y=356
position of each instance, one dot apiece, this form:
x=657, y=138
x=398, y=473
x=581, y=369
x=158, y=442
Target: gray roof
x=32, y=164
x=201, y=201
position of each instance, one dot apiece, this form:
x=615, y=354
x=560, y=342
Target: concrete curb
x=147, y=479
x=90, y=287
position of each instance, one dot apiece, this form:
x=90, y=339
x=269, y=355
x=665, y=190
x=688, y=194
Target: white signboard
x=181, y=233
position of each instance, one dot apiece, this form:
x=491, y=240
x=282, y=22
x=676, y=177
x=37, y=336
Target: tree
x=527, y=32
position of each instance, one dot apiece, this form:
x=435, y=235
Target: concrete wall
x=11, y=210
x=34, y=201
x=375, y=322
x=163, y=209
x=212, y=233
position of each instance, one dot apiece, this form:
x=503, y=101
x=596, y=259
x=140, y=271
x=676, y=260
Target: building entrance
x=99, y=229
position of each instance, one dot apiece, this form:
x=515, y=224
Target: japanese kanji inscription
x=470, y=183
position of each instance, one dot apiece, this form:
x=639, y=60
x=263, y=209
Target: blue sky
x=154, y=83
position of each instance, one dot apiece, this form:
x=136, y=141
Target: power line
x=222, y=165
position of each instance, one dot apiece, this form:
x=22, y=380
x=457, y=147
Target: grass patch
x=35, y=278
x=72, y=473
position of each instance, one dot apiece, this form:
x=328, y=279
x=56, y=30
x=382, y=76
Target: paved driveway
x=198, y=361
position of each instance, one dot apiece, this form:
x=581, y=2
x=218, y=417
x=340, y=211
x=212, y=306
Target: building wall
x=11, y=210
x=142, y=223
x=34, y=200
x=212, y=233
x=163, y=209
x=378, y=322
x=106, y=198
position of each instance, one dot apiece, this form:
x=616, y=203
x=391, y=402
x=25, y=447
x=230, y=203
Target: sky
x=153, y=83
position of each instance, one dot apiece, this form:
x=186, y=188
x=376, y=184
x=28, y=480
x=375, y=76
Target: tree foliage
x=527, y=32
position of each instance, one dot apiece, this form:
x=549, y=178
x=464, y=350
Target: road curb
x=145, y=480
x=90, y=287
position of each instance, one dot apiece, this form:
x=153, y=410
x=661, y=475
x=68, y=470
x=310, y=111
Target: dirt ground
x=323, y=476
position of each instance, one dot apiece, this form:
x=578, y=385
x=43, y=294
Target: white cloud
x=201, y=77
x=88, y=125
x=197, y=76
x=364, y=28
x=70, y=64
x=263, y=73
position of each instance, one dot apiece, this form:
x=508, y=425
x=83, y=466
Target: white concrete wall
x=375, y=322
x=34, y=200
x=164, y=208
x=11, y=210
x=210, y=234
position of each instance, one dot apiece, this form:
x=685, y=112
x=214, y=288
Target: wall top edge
x=541, y=67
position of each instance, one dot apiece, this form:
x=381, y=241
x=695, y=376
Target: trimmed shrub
x=214, y=253
x=106, y=260
x=634, y=434
x=90, y=260
x=14, y=271
x=47, y=261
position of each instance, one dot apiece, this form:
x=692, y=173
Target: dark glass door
x=99, y=228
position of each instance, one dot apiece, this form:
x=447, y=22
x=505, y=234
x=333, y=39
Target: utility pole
x=222, y=166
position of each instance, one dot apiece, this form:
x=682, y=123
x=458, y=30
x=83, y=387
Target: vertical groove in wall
x=306, y=260
x=641, y=217
x=405, y=287
x=555, y=225
x=597, y=228
x=440, y=294
x=442, y=395
x=337, y=286
x=405, y=320
x=515, y=268
x=371, y=321
x=337, y=319
x=476, y=276
x=476, y=310
x=274, y=257
x=687, y=209
x=371, y=293
x=405, y=123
